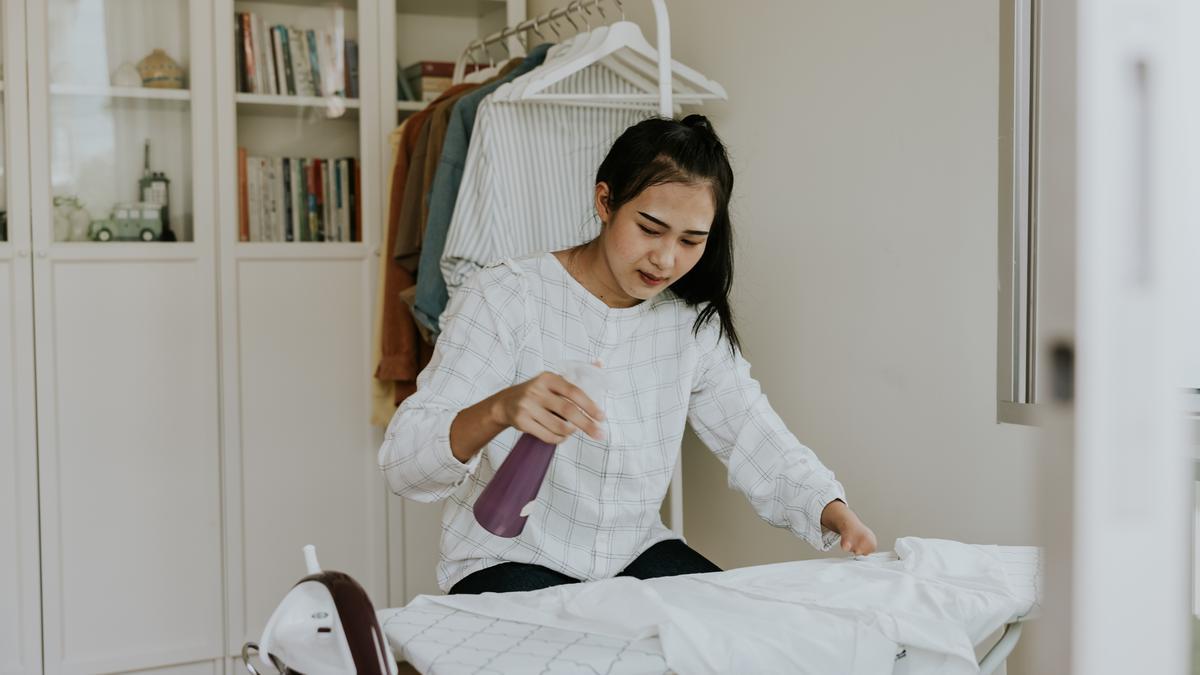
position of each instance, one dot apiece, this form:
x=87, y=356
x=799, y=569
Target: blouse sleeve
x=475, y=356
x=783, y=479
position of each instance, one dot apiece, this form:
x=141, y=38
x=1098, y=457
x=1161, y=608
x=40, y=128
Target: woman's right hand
x=550, y=408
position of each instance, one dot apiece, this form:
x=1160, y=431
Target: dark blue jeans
x=664, y=559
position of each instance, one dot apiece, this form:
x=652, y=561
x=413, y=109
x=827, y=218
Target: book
x=289, y=230
x=326, y=201
x=248, y=54
x=289, y=74
x=268, y=56
x=239, y=56
x=337, y=63
x=281, y=87
x=310, y=42
x=339, y=192
x=268, y=202
x=253, y=197
x=300, y=68
x=429, y=69
x=243, y=206
x=299, y=203
x=260, y=57
x=355, y=192
x=327, y=56
x=313, y=193
x=347, y=209
x=351, y=68
x=404, y=91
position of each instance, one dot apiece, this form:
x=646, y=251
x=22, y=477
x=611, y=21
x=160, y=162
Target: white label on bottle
x=527, y=509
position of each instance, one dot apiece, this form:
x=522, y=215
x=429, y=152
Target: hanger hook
x=555, y=29
x=567, y=16
x=600, y=8
x=537, y=21
x=621, y=6
x=583, y=14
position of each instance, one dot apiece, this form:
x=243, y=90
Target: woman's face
x=656, y=238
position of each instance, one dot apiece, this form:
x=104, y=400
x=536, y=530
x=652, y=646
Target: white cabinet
x=182, y=412
x=20, y=601
x=127, y=407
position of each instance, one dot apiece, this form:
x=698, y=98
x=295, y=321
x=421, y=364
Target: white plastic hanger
x=624, y=50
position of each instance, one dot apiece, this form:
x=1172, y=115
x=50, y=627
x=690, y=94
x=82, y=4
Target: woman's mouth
x=651, y=280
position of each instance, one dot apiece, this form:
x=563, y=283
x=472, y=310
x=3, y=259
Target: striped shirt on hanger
x=529, y=178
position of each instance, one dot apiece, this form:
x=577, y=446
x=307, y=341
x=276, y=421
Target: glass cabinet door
x=120, y=108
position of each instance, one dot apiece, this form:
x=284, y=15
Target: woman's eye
x=648, y=231
x=690, y=243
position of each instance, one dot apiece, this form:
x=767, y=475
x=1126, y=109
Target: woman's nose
x=663, y=256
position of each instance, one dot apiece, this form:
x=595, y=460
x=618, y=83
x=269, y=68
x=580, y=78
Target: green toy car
x=139, y=221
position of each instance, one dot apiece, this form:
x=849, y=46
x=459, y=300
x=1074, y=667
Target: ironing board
x=440, y=640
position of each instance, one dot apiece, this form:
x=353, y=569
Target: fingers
x=556, y=428
x=560, y=386
x=858, y=543
x=570, y=412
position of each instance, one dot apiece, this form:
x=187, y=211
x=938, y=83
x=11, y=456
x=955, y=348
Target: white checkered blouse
x=598, y=508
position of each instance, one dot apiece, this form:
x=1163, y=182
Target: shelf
x=458, y=8
x=303, y=250
x=68, y=251
x=349, y=5
x=270, y=104
x=121, y=92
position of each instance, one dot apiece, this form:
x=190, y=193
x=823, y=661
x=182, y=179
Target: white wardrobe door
x=308, y=463
x=20, y=618
x=131, y=520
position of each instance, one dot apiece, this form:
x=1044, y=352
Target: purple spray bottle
x=506, y=500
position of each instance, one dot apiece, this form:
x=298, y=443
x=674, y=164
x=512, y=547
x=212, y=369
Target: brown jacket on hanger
x=402, y=352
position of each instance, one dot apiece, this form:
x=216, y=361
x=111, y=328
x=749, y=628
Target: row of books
x=290, y=61
x=298, y=199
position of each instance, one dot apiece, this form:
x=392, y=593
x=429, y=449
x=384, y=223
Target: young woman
x=649, y=299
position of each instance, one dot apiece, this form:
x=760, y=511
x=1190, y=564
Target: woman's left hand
x=857, y=538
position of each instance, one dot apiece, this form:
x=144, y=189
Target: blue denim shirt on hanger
x=432, y=295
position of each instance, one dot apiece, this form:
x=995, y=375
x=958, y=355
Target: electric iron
x=325, y=625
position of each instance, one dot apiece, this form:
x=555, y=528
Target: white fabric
x=932, y=601
x=598, y=508
x=530, y=175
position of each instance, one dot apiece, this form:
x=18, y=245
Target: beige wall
x=863, y=137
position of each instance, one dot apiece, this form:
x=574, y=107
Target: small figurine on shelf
x=155, y=188
x=160, y=71
x=70, y=219
x=126, y=75
x=129, y=222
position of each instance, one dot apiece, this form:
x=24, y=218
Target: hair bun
x=697, y=121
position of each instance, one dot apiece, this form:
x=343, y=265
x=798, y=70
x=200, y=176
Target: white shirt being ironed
x=598, y=507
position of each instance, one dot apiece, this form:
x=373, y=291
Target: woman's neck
x=588, y=266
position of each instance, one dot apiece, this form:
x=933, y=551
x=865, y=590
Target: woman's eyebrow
x=698, y=233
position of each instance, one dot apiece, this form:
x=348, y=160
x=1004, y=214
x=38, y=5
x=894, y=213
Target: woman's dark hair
x=658, y=150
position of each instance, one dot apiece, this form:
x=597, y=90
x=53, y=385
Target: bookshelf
x=297, y=316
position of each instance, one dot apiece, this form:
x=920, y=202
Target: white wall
x=863, y=137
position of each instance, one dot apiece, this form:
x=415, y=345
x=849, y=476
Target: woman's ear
x=602, y=195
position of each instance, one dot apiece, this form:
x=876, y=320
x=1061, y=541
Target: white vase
x=126, y=76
